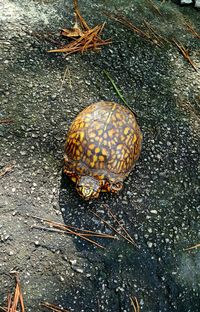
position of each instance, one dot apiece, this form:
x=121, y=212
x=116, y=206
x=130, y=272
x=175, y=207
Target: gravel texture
x=159, y=203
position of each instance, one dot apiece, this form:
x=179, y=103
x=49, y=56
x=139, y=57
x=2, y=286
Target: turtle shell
x=104, y=141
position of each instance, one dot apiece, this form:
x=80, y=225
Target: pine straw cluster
x=15, y=303
x=82, y=37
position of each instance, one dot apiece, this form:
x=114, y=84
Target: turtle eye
x=116, y=186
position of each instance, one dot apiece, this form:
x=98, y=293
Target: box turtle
x=102, y=146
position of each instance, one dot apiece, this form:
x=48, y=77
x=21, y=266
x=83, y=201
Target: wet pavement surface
x=159, y=204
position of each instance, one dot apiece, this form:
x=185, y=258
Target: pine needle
x=118, y=222
x=53, y=307
x=114, y=229
x=192, y=30
x=83, y=234
x=117, y=90
x=66, y=73
x=184, y=52
x=128, y=24
x=193, y=247
x=135, y=304
x=155, y=7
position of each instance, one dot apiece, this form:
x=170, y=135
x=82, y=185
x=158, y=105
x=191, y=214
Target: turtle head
x=88, y=187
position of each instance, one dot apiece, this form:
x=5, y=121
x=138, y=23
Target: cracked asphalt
x=159, y=204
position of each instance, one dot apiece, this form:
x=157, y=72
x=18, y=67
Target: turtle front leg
x=116, y=186
x=113, y=187
x=71, y=174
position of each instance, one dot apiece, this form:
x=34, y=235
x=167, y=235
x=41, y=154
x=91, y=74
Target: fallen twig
x=184, y=52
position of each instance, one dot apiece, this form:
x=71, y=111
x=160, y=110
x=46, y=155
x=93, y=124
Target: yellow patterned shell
x=104, y=141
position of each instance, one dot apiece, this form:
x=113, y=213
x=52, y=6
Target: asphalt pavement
x=41, y=93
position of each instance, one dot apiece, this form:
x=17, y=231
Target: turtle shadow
x=72, y=206
x=120, y=263
x=81, y=214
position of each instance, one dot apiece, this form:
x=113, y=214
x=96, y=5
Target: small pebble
x=154, y=211
x=149, y=244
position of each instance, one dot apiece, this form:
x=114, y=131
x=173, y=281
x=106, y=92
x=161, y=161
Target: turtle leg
x=72, y=175
x=113, y=187
x=116, y=186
